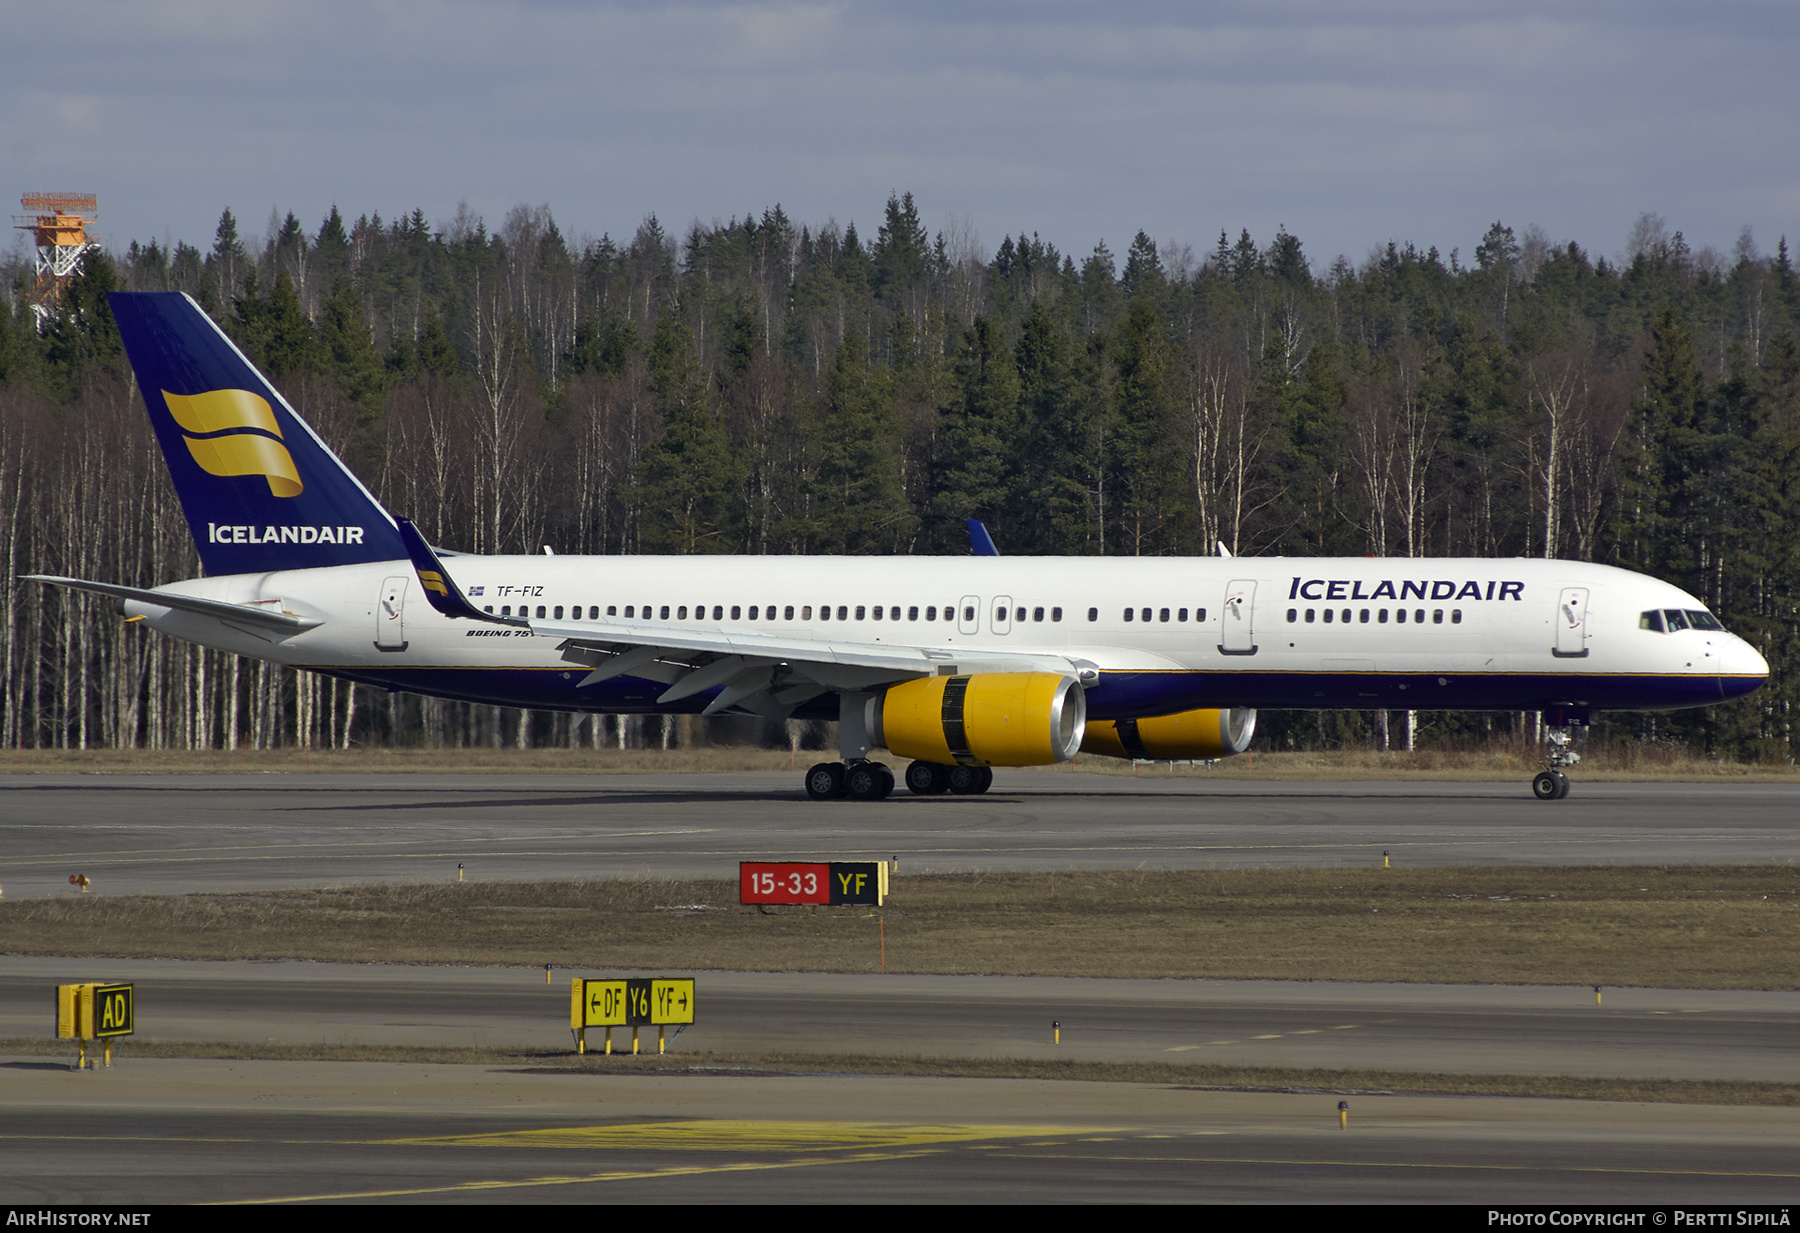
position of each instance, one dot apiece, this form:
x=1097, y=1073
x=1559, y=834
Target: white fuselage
x=1253, y=632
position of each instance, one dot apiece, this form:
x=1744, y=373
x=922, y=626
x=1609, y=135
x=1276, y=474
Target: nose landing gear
x=1550, y=784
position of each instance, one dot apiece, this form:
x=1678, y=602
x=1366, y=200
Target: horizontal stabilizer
x=224, y=610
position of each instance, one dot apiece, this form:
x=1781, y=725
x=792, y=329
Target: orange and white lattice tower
x=59, y=222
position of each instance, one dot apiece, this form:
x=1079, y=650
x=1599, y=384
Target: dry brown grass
x=1203, y=1076
x=1625, y=762
x=1669, y=927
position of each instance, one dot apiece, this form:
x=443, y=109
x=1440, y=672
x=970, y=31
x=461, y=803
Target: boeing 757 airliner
x=958, y=664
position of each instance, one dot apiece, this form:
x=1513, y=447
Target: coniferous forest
x=766, y=386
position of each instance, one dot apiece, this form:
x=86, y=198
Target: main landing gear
x=861, y=780
x=934, y=779
x=1550, y=784
x=873, y=781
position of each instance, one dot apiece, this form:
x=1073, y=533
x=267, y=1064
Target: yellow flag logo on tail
x=433, y=581
x=240, y=453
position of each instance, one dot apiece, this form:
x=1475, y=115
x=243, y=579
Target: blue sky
x=1349, y=123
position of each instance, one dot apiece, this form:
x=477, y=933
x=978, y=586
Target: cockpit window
x=1704, y=620
x=1651, y=620
x=1675, y=620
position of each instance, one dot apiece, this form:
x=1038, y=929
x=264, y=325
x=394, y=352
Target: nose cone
x=1742, y=670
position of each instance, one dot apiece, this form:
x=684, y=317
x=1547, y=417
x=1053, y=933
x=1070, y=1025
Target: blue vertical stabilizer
x=260, y=490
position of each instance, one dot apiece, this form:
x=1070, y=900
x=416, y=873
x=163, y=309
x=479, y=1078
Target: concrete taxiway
x=198, y=1131
x=1485, y=1029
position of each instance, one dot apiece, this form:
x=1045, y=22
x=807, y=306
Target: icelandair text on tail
x=218, y=534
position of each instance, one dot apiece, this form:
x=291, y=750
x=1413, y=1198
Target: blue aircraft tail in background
x=260, y=490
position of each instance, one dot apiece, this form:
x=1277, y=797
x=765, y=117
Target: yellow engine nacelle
x=988, y=719
x=1169, y=738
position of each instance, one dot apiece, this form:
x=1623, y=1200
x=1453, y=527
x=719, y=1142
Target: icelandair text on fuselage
x=1442, y=588
x=217, y=533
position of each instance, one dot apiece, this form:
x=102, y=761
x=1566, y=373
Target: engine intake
x=1167, y=738
x=987, y=719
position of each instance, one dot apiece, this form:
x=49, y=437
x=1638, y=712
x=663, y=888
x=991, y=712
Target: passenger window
x=1418, y=616
x=540, y=612
x=1200, y=615
x=1363, y=616
x=505, y=609
x=1181, y=615
x=1019, y=616
x=736, y=613
x=875, y=612
x=912, y=613
x=1055, y=614
x=681, y=613
x=1328, y=616
x=558, y=612
x=1437, y=616
x=1456, y=616
x=489, y=608
x=969, y=614
x=859, y=611
x=1130, y=613
x=1093, y=614
x=1309, y=616
x=1164, y=616
x=931, y=612
x=843, y=611
x=664, y=611
x=1146, y=614
x=1037, y=614
x=806, y=613
x=1381, y=617
x=824, y=612
x=1400, y=615
x=1293, y=615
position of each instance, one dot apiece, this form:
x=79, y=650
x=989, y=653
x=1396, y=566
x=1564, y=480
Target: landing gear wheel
x=1545, y=786
x=825, y=781
x=970, y=780
x=1562, y=785
x=927, y=778
x=868, y=781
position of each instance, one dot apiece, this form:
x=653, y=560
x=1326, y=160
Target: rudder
x=260, y=490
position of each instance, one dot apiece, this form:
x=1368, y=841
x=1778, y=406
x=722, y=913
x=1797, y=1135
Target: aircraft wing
x=763, y=673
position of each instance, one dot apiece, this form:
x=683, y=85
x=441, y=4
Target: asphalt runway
x=178, y=833
x=181, y=1131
